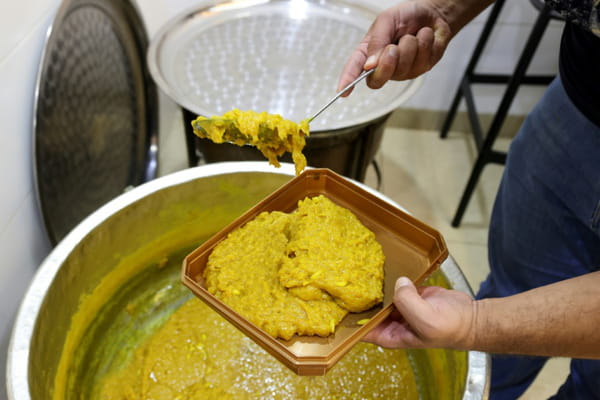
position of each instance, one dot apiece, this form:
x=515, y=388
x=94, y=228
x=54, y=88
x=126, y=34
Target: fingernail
x=370, y=61
x=393, y=51
x=402, y=281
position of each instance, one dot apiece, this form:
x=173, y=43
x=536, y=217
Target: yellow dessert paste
x=197, y=355
x=272, y=134
x=298, y=273
x=331, y=253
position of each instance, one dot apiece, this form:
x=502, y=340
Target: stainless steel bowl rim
x=17, y=373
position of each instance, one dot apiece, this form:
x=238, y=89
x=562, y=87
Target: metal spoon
x=344, y=90
x=234, y=135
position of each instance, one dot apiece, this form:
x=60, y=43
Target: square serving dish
x=411, y=249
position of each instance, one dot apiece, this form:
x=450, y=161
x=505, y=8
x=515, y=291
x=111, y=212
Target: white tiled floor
x=426, y=175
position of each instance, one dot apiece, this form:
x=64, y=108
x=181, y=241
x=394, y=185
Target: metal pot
x=176, y=212
x=279, y=56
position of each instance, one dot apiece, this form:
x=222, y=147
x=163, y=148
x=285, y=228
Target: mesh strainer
x=280, y=56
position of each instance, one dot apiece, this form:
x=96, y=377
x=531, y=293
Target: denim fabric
x=545, y=227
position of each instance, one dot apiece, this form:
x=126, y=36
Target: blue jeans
x=545, y=227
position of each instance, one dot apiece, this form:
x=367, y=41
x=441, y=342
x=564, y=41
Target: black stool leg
x=190, y=137
x=486, y=154
x=483, y=38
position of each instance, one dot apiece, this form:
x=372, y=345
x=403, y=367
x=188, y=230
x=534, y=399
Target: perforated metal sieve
x=279, y=56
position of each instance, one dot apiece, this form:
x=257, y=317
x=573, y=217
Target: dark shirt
x=579, y=61
x=579, y=66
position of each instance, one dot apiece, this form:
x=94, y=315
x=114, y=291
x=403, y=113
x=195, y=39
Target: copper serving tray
x=411, y=248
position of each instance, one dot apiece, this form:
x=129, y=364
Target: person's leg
x=544, y=225
x=511, y=376
x=583, y=382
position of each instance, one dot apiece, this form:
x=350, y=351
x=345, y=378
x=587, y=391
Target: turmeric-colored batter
x=331, y=253
x=197, y=355
x=298, y=273
x=272, y=134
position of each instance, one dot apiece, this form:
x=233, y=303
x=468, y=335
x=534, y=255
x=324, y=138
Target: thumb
x=409, y=302
x=373, y=60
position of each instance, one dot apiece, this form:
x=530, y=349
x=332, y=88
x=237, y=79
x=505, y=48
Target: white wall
x=23, y=242
x=23, y=25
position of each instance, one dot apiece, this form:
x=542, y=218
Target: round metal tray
x=279, y=56
x=95, y=113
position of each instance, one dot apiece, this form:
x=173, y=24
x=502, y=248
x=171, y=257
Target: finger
x=411, y=305
x=395, y=315
x=394, y=332
x=381, y=33
x=392, y=335
x=425, y=291
x=379, y=38
x=407, y=52
x=424, y=58
x=353, y=67
x=441, y=37
x=386, y=66
x=372, y=60
x=374, y=335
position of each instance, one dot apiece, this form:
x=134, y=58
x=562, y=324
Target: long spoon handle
x=344, y=90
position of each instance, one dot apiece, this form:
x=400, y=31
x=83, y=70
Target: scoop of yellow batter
x=298, y=273
x=272, y=134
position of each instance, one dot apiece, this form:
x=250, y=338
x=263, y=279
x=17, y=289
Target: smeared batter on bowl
x=272, y=134
x=298, y=273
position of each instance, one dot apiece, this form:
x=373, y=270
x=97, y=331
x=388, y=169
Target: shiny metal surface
x=478, y=375
x=95, y=111
x=189, y=204
x=279, y=56
x=341, y=92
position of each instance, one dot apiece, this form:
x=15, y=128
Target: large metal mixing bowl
x=171, y=213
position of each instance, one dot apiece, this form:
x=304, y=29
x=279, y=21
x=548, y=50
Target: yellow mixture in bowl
x=197, y=355
x=272, y=134
x=298, y=273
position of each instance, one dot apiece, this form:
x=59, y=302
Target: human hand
x=427, y=317
x=403, y=42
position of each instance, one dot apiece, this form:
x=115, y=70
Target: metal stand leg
x=486, y=154
x=190, y=137
x=469, y=71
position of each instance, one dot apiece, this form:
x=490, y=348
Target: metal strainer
x=280, y=56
